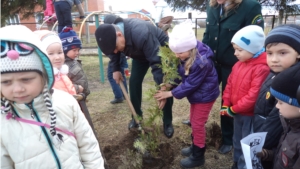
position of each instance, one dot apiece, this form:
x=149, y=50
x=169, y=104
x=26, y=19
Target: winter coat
x=244, y=83
x=201, y=85
x=288, y=151
x=27, y=146
x=62, y=82
x=220, y=29
x=77, y=76
x=142, y=41
x=266, y=115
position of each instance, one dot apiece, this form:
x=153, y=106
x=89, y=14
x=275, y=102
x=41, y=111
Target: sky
x=136, y=5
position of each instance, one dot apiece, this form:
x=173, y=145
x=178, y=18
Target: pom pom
x=13, y=55
x=55, y=71
x=64, y=69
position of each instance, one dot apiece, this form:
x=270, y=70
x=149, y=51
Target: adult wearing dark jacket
x=224, y=19
x=139, y=40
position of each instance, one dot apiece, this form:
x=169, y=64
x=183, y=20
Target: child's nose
x=18, y=88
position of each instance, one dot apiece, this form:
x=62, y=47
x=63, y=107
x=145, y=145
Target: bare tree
x=284, y=7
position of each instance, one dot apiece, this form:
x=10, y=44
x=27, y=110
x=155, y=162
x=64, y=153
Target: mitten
x=226, y=111
x=265, y=155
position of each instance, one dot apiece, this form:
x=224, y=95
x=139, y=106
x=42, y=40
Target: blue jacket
x=201, y=85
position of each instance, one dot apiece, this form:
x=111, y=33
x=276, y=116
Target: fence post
x=99, y=52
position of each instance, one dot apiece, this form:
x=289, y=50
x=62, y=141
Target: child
x=71, y=46
x=63, y=10
x=243, y=84
x=41, y=127
x=52, y=43
x=199, y=84
x=282, y=48
x=284, y=88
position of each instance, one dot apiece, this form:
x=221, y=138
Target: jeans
x=242, y=128
x=63, y=14
x=115, y=87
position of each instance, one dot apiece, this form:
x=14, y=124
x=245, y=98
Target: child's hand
x=80, y=88
x=160, y=95
x=226, y=111
x=265, y=155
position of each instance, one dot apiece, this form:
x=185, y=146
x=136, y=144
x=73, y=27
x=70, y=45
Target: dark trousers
x=226, y=122
x=138, y=72
x=115, y=87
x=63, y=14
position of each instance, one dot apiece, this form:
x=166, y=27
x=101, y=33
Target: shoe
x=187, y=122
x=187, y=151
x=224, y=149
x=168, y=130
x=117, y=101
x=132, y=124
x=196, y=159
x=234, y=166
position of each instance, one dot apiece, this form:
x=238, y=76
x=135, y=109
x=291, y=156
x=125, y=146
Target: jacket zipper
x=34, y=114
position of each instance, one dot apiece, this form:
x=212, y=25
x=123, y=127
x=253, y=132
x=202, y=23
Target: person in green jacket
x=224, y=19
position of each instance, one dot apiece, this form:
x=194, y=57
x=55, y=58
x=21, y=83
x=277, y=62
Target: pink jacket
x=49, y=8
x=62, y=81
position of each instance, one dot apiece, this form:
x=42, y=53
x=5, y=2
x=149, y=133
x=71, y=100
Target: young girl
x=199, y=84
x=41, y=128
x=52, y=43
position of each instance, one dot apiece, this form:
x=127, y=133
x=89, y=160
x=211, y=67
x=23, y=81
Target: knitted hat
x=20, y=52
x=47, y=37
x=106, y=38
x=285, y=85
x=69, y=39
x=287, y=34
x=112, y=19
x=182, y=38
x=250, y=38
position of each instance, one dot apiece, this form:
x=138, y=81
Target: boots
x=196, y=159
x=188, y=150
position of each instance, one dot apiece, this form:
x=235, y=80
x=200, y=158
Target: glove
x=226, y=111
x=81, y=17
x=265, y=155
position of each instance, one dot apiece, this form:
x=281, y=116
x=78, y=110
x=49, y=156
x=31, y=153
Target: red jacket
x=244, y=83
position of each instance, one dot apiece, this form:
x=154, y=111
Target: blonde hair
x=232, y=4
x=190, y=61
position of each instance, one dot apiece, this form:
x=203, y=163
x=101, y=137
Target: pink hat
x=182, y=38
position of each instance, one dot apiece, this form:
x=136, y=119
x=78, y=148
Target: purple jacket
x=201, y=85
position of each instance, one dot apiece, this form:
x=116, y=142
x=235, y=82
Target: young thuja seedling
x=149, y=143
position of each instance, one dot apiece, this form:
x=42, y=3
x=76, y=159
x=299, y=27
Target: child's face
x=288, y=111
x=21, y=87
x=281, y=56
x=73, y=53
x=241, y=54
x=56, y=55
x=183, y=56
